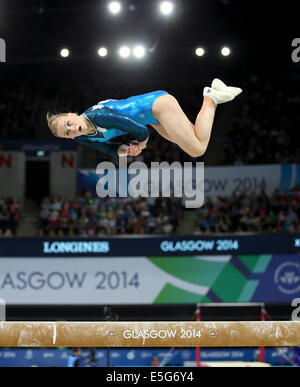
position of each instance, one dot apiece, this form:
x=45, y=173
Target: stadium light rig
x=200, y=51
x=225, y=51
x=124, y=52
x=166, y=8
x=102, y=51
x=64, y=53
x=114, y=7
x=139, y=52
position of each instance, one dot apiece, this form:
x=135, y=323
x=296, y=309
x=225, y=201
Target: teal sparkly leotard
x=113, y=118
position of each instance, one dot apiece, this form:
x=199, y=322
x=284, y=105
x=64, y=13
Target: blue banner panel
x=141, y=357
x=280, y=281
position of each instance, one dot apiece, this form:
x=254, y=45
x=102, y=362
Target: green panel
x=256, y=263
x=250, y=261
x=173, y=295
x=262, y=264
x=222, y=278
x=248, y=291
x=190, y=269
x=229, y=284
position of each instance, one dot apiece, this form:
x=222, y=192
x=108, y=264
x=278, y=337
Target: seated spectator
x=8, y=233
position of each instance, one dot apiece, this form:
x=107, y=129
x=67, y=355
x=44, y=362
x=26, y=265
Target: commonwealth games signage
x=123, y=280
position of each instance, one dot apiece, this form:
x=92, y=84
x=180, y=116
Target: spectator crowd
x=245, y=213
x=20, y=109
x=251, y=213
x=88, y=217
x=265, y=130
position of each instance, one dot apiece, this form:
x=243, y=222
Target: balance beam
x=149, y=334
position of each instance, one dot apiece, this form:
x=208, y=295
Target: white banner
x=226, y=181
x=87, y=281
x=235, y=180
x=149, y=280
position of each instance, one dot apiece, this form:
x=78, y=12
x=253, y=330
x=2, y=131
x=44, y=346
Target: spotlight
x=114, y=7
x=226, y=51
x=200, y=51
x=166, y=7
x=102, y=51
x=139, y=51
x=64, y=52
x=124, y=52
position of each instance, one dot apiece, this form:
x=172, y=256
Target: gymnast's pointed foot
x=219, y=85
x=221, y=93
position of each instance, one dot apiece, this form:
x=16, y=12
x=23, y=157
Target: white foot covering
x=221, y=93
x=219, y=85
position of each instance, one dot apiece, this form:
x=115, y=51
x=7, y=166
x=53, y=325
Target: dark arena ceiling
x=259, y=32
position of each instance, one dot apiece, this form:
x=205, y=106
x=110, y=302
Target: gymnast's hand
x=143, y=144
x=133, y=150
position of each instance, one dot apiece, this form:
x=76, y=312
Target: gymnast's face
x=71, y=125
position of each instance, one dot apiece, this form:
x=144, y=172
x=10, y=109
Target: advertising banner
x=154, y=245
x=149, y=280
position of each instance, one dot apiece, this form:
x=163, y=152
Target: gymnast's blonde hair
x=51, y=117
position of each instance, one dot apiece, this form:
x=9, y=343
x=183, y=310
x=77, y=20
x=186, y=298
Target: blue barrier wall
x=141, y=357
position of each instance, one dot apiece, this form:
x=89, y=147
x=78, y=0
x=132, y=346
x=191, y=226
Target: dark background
x=259, y=32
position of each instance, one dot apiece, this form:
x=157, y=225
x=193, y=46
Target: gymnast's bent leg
x=175, y=126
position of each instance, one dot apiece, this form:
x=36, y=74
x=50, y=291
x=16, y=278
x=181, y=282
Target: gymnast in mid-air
x=101, y=123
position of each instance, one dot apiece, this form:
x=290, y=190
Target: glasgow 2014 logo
x=287, y=278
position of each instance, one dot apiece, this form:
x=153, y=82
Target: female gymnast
x=101, y=123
